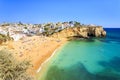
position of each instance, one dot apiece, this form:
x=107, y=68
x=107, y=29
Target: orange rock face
x=83, y=32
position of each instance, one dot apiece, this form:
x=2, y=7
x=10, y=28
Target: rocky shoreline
x=81, y=32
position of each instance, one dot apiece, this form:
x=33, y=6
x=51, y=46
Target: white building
x=41, y=30
x=4, y=32
x=91, y=25
x=17, y=37
x=63, y=27
x=25, y=31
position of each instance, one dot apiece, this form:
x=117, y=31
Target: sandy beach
x=36, y=49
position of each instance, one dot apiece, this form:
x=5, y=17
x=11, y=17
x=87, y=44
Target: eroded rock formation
x=82, y=32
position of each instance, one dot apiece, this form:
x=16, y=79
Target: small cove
x=92, y=59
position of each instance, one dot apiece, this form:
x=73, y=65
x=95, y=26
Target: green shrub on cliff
x=4, y=38
x=77, y=24
x=11, y=69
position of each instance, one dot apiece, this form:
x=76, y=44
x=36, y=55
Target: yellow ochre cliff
x=82, y=32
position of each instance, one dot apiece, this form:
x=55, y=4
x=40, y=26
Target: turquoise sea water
x=92, y=59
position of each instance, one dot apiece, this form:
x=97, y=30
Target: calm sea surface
x=92, y=59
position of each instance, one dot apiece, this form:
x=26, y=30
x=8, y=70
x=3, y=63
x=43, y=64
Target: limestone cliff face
x=83, y=32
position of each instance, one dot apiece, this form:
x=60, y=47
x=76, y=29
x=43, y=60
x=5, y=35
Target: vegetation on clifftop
x=4, y=38
x=11, y=69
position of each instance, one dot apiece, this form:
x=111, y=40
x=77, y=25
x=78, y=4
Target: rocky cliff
x=82, y=32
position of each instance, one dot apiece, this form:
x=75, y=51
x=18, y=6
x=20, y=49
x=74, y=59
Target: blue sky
x=101, y=12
